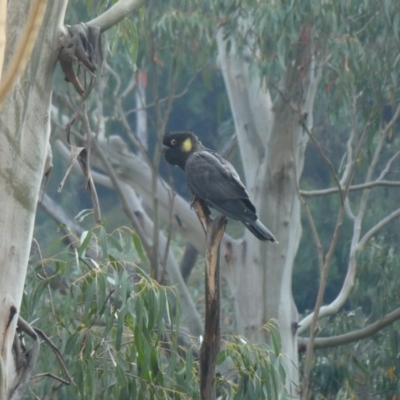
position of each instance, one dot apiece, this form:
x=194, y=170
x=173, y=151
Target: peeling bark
x=25, y=130
x=214, y=230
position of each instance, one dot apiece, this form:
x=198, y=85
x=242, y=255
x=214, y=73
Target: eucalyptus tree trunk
x=272, y=144
x=24, y=141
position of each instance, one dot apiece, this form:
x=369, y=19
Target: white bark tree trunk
x=24, y=138
x=272, y=145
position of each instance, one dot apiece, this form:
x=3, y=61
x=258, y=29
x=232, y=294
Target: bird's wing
x=210, y=177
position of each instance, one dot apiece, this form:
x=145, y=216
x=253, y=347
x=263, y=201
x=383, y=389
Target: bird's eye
x=173, y=142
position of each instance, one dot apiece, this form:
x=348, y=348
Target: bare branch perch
x=210, y=346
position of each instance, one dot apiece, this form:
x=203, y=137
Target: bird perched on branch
x=213, y=180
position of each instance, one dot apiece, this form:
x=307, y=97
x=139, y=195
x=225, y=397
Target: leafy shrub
x=118, y=330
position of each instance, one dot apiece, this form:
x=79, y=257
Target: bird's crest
x=187, y=145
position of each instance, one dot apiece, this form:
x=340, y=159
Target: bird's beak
x=164, y=148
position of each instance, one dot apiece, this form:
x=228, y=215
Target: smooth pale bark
x=272, y=144
x=24, y=138
x=3, y=13
x=116, y=14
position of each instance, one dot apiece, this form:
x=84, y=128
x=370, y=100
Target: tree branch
x=348, y=283
x=390, y=124
x=371, y=168
x=164, y=99
x=124, y=201
x=388, y=165
x=361, y=186
x=210, y=346
x=56, y=352
x=326, y=264
x=324, y=157
x=346, y=177
x=25, y=360
x=318, y=303
x=72, y=229
x=381, y=224
x=310, y=219
x=115, y=14
x=370, y=330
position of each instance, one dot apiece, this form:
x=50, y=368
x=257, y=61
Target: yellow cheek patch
x=187, y=145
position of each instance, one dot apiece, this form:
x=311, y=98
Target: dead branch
x=56, y=352
x=210, y=346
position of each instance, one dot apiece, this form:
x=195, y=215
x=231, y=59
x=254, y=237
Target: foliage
x=261, y=367
x=119, y=333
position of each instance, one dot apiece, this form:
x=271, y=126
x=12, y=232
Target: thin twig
x=325, y=158
x=310, y=218
x=57, y=353
x=318, y=303
x=49, y=374
x=164, y=99
x=361, y=186
x=46, y=276
x=161, y=122
x=124, y=201
x=87, y=171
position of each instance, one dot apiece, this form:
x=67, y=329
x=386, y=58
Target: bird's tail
x=260, y=231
